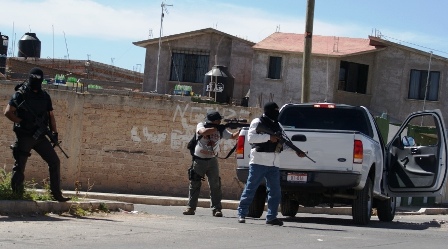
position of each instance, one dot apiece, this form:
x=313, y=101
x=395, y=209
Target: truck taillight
x=324, y=105
x=240, y=147
x=357, y=151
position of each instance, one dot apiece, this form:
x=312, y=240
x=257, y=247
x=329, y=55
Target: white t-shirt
x=208, y=146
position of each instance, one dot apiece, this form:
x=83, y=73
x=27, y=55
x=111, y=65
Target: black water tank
x=3, y=52
x=29, y=46
x=224, y=88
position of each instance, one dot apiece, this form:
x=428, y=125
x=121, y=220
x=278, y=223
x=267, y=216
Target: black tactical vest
x=38, y=103
x=267, y=146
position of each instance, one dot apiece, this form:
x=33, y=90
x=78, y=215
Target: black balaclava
x=271, y=111
x=35, y=78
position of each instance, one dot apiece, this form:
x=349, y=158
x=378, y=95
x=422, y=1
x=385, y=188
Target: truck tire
x=289, y=207
x=257, y=207
x=386, y=209
x=362, y=206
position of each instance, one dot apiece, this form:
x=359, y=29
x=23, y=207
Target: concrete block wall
x=132, y=144
x=391, y=83
x=233, y=53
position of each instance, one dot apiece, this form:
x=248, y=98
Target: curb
x=125, y=202
x=43, y=207
x=233, y=204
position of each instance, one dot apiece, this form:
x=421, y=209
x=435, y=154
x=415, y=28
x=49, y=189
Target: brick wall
x=126, y=144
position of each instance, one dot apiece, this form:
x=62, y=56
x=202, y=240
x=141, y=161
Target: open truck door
x=416, y=162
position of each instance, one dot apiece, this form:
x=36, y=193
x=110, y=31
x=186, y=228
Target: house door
x=416, y=162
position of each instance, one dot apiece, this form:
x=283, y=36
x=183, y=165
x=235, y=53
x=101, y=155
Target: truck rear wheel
x=289, y=207
x=386, y=209
x=257, y=207
x=362, y=206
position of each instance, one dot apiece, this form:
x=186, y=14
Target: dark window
x=417, y=85
x=353, y=77
x=275, y=67
x=340, y=118
x=189, y=66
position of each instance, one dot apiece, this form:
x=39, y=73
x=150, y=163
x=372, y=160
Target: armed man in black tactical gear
x=28, y=106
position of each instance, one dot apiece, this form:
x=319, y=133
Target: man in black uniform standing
x=28, y=105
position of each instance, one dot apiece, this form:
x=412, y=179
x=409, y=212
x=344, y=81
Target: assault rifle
x=261, y=128
x=42, y=128
x=230, y=123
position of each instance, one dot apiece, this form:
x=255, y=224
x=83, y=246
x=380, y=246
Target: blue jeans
x=256, y=174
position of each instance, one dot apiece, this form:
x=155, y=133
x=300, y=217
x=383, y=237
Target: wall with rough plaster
x=132, y=144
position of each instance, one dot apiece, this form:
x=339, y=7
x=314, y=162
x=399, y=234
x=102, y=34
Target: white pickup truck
x=354, y=166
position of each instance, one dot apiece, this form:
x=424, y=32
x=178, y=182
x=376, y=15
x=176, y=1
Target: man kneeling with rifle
x=31, y=110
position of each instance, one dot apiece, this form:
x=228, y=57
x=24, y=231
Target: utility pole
x=160, y=40
x=306, y=65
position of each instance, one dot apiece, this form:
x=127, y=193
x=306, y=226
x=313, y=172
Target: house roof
x=377, y=41
x=321, y=45
x=148, y=42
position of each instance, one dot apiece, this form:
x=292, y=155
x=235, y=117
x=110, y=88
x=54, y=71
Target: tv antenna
x=164, y=9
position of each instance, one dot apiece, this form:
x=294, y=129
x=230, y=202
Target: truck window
x=340, y=118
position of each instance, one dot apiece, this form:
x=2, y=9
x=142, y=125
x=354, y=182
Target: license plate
x=297, y=177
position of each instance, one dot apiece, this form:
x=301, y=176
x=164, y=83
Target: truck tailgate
x=331, y=149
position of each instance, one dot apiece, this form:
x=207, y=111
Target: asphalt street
x=156, y=226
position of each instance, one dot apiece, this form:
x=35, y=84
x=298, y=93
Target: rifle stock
x=261, y=128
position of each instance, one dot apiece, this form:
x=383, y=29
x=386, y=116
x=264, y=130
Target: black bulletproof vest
x=37, y=103
x=268, y=146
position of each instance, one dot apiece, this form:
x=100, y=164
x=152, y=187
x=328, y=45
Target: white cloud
x=87, y=18
x=92, y=20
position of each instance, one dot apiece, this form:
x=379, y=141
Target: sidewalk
x=126, y=202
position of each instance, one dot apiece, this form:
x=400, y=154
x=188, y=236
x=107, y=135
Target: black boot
x=55, y=186
x=17, y=183
x=61, y=198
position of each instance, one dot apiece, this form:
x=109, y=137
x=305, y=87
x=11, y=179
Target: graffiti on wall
x=188, y=116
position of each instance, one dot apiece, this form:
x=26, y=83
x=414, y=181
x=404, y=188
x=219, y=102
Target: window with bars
x=417, y=85
x=275, y=67
x=189, y=66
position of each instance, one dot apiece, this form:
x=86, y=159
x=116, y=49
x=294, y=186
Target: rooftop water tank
x=29, y=46
x=219, y=81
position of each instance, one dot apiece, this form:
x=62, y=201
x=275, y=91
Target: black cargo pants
x=21, y=151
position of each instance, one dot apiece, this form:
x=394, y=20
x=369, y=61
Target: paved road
x=153, y=226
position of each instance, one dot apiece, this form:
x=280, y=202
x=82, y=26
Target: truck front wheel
x=386, y=209
x=362, y=206
x=257, y=207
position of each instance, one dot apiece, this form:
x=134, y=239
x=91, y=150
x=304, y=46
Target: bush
x=28, y=192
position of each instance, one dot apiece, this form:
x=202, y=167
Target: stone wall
x=126, y=144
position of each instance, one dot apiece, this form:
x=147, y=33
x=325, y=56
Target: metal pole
x=160, y=42
x=427, y=81
x=306, y=74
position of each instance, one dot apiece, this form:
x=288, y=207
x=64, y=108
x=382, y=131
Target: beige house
x=186, y=58
x=384, y=76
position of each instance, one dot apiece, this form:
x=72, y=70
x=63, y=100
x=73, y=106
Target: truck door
x=416, y=162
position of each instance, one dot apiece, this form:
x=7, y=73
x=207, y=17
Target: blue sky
x=103, y=30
